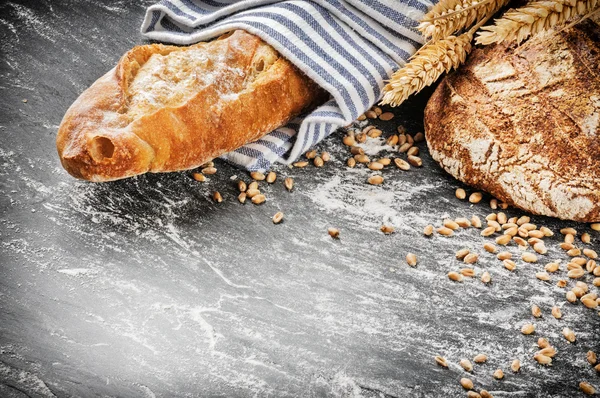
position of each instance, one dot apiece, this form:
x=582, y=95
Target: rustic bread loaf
x=523, y=123
x=166, y=108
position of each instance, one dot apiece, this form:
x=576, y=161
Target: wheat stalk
x=518, y=24
x=426, y=66
x=450, y=16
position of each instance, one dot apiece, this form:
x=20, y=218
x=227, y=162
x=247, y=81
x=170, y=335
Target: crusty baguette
x=167, y=108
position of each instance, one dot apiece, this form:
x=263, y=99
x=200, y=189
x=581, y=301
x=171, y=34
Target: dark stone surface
x=145, y=287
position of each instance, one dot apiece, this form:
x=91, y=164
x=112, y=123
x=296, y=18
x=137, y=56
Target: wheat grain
x=518, y=24
x=450, y=16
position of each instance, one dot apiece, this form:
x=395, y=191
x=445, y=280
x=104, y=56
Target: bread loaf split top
x=167, y=108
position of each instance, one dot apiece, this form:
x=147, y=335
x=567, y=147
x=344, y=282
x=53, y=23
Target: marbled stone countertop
x=147, y=288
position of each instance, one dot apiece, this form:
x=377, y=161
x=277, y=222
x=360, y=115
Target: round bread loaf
x=523, y=123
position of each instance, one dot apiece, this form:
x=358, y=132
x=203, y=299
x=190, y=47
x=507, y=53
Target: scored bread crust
x=111, y=133
x=523, y=123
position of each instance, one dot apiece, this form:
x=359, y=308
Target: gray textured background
x=146, y=288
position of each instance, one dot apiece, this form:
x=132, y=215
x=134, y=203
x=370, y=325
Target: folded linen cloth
x=348, y=47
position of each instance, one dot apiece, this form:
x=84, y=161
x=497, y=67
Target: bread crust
x=523, y=123
x=102, y=139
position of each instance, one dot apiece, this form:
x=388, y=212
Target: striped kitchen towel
x=349, y=47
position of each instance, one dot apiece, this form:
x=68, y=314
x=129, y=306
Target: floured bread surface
x=172, y=79
x=523, y=123
x=167, y=108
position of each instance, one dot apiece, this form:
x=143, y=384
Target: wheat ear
x=518, y=24
x=450, y=16
x=426, y=66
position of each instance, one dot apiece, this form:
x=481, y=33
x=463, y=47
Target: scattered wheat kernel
x=278, y=217
x=571, y=231
x=259, y=199
x=503, y=205
x=351, y=162
x=311, y=154
x=271, y=177
x=471, y=258
x=333, y=232
x=387, y=229
x=466, y=383
x=556, y=312
x=375, y=133
x=257, y=176
x=591, y=357
x=498, y=374
x=583, y=286
x=445, y=231
x=375, y=166
x=251, y=192
x=217, y=197
x=529, y=257
x=375, y=180
x=411, y=259
x=522, y=232
x=520, y=241
x=575, y=273
x=569, y=238
x=288, y=183
x=413, y=151
x=428, y=230
x=536, y=311
x=540, y=248
x=209, y=171
x=199, y=177
x=300, y=164
x=546, y=231
x=488, y=231
x=509, y=265
x=590, y=266
x=467, y=365
x=378, y=111
x=548, y=351
x=586, y=238
x=501, y=218
x=451, y=224
x=503, y=240
x=476, y=222
x=362, y=158
x=590, y=253
x=386, y=116
x=242, y=186
x=566, y=246
x=462, y=253
x=596, y=271
x=543, y=276
x=571, y=297
x=384, y=161
x=441, y=361
x=368, y=128
x=589, y=303
x=485, y=394
x=242, y=197
x=460, y=193
x=419, y=137
x=551, y=267
x=486, y=277
x=392, y=140
x=455, y=276
x=509, y=225
x=475, y=197
x=371, y=114
x=528, y=328
x=562, y=283
x=579, y=292
x=356, y=150
x=361, y=138
x=473, y=394
x=504, y=256
x=587, y=388
x=523, y=220
x=468, y=272
x=574, y=252
x=543, y=342
x=349, y=140
x=542, y=359
x=529, y=226
x=404, y=147
x=318, y=162
x=415, y=161
x=511, y=231
x=569, y=335
x=480, y=358
x=401, y=164
x=595, y=226
x=515, y=365
x=491, y=217
x=463, y=222
x=533, y=241
x=596, y=282
x=493, y=203
x=362, y=117
x=490, y=248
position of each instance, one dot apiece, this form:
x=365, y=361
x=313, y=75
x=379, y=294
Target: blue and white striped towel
x=348, y=47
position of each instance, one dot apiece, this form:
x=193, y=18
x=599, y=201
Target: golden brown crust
x=523, y=123
x=106, y=135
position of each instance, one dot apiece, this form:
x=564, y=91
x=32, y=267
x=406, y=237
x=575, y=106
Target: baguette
x=168, y=108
